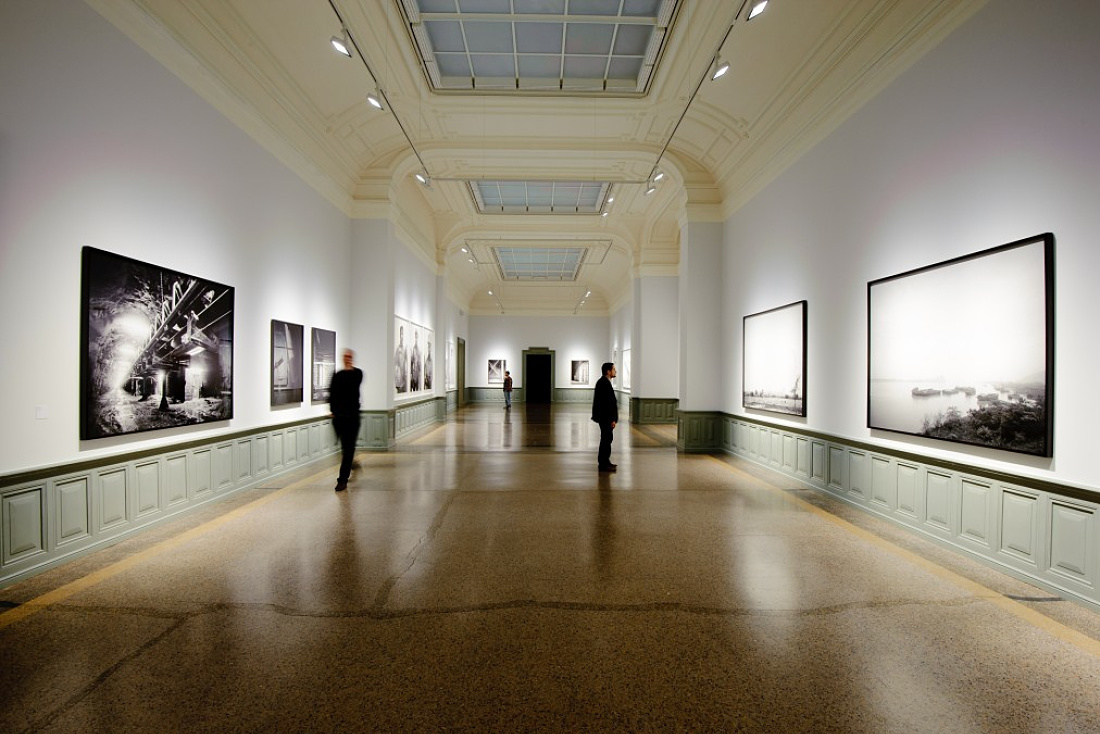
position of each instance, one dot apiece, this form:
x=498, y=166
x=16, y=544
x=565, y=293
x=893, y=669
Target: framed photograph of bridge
x=156, y=347
x=773, y=355
x=963, y=350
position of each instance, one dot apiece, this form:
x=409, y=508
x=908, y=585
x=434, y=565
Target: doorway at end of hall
x=538, y=376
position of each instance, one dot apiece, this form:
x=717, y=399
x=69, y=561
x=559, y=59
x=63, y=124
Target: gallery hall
x=549, y=365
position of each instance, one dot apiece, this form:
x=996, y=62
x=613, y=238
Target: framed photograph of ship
x=287, y=360
x=156, y=347
x=964, y=350
x=324, y=364
x=773, y=355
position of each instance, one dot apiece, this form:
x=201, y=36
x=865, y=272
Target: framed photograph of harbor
x=773, y=357
x=964, y=350
x=156, y=347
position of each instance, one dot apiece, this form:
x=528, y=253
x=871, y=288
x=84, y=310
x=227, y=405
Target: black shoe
x=608, y=467
x=341, y=485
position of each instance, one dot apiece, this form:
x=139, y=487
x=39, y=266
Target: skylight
x=539, y=197
x=539, y=263
x=563, y=46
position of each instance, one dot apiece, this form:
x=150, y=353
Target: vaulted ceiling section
x=538, y=125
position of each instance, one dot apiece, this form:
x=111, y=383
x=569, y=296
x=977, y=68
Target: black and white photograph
x=452, y=376
x=413, y=364
x=773, y=356
x=156, y=347
x=287, y=361
x=624, y=370
x=324, y=363
x=401, y=356
x=580, y=372
x=496, y=371
x=963, y=350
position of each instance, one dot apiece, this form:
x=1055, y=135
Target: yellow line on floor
x=62, y=593
x=1025, y=613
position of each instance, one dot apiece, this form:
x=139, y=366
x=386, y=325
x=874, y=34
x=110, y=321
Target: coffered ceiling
x=574, y=103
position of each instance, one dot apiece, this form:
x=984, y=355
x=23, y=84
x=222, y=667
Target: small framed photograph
x=579, y=372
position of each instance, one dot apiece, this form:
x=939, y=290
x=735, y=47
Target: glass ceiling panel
x=539, y=197
x=520, y=46
x=539, y=263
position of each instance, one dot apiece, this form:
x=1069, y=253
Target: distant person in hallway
x=507, y=389
x=605, y=411
x=344, y=403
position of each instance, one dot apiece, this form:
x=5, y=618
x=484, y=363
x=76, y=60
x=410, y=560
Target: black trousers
x=607, y=435
x=347, y=430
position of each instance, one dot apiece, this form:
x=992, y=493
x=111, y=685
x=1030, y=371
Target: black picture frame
x=323, y=359
x=287, y=361
x=156, y=347
x=963, y=350
x=773, y=359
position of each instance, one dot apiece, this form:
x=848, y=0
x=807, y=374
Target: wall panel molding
x=1040, y=531
x=50, y=515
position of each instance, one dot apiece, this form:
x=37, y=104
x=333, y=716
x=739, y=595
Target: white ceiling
x=798, y=70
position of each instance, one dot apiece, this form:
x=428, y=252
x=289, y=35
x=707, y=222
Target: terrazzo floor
x=484, y=577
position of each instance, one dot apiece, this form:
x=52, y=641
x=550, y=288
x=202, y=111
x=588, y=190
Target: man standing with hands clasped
x=605, y=411
x=343, y=400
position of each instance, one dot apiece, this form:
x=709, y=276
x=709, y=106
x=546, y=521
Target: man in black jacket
x=343, y=401
x=605, y=411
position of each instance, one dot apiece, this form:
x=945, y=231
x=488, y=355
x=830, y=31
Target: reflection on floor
x=485, y=577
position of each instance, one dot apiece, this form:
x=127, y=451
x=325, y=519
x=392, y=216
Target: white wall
x=701, y=328
x=990, y=138
x=622, y=339
x=656, y=352
x=100, y=145
x=505, y=337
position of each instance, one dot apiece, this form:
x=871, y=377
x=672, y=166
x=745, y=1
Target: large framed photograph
x=624, y=370
x=413, y=364
x=773, y=354
x=497, y=368
x=964, y=350
x=324, y=364
x=287, y=360
x=579, y=372
x=156, y=347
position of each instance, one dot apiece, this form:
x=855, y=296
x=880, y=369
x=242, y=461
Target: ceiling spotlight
x=720, y=69
x=756, y=7
x=490, y=293
x=604, y=214
x=610, y=199
x=470, y=259
x=340, y=43
x=375, y=99
x=426, y=181
x=659, y=176
x=650, y=190
x=465, y=250
x=586, y=295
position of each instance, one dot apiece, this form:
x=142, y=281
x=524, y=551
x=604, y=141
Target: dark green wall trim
x=654, y=410
x=698, y=431
x=1063, y=490
x=52, y=470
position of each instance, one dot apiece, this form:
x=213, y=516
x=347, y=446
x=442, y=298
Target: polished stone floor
x=484, y=577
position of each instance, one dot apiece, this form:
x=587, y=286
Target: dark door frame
x=540, y=351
